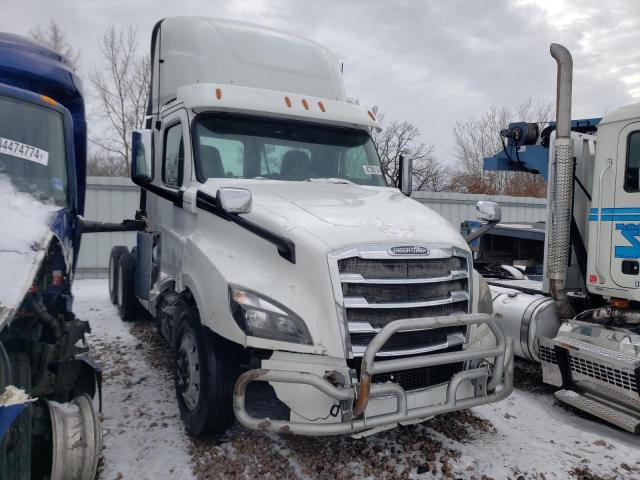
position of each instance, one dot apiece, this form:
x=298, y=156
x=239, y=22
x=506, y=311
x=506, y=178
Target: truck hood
x=23, y=244
x=339, y=215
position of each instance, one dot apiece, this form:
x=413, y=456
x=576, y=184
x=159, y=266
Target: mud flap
x=147, y=263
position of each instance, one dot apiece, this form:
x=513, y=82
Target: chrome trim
x=360, y=302
x=362, y=327
x=492, y=385
x=453, y=340
x=380, y=251
x=601, y=278
x=357, y=278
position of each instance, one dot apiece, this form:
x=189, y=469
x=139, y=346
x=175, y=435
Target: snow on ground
x=143, y=433
x=536, y=435
x=526, y=436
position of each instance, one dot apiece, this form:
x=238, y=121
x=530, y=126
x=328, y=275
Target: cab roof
x=190, y=50
x=30, y=66
x=625, y=114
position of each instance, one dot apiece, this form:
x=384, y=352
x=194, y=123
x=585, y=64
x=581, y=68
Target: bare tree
x=100, y=164
x=401, y=138
x=55, y=38
x=121, y=89
x=477, y=138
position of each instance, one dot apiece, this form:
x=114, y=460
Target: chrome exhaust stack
x=561, y=189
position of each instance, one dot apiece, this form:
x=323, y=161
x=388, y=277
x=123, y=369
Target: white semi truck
x=299, y=291
x=584, y=325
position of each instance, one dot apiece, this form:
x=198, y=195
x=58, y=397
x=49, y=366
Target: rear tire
x=127, y=302
x=114, y=257
x=204, y=376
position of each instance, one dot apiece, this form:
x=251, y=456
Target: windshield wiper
x=331, y=180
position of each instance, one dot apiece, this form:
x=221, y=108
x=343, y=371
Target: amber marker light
x=287, y=100
x=218, y=93
x=48, y=100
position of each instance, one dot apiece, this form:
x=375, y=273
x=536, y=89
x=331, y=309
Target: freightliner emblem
x=409, y=250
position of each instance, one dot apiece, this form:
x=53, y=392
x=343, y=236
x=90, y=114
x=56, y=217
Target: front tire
x=114, y=257
x=204, y=377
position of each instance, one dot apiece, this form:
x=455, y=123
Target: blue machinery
x=526, y=149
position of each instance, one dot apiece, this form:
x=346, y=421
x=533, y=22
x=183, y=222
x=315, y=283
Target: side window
x=173, y=156
x=632, y=172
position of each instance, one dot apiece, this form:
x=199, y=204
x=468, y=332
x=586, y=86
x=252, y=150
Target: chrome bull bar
x=499, y=381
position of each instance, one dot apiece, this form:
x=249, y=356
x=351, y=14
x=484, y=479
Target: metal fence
x=112, y=199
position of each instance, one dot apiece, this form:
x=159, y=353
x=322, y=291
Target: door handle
x=601, y=278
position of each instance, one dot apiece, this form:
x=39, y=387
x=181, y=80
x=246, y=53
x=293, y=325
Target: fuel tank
x=525, y=318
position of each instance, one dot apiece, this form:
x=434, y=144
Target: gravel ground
x=526, y=436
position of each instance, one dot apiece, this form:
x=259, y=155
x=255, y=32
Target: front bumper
x=598, y=368
x=491, y=384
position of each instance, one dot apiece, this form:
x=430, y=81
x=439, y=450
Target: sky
x=428, y=62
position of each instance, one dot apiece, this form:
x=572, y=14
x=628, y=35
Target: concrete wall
x=112, y=199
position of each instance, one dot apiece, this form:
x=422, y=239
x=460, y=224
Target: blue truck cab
x=48, y=380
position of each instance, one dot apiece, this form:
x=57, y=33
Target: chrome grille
x=603, y=373
x=404, y=269
x=378, y=318
x=376, y=288
x=417, y=378
x=547, y=355
x=381, y=293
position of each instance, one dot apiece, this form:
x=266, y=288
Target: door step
x=601, y=410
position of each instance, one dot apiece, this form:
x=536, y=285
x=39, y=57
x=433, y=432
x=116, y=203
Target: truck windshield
x=32, y=149
x=253, y=147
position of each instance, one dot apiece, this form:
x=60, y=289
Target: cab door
x=625, y=216
x=174, y=168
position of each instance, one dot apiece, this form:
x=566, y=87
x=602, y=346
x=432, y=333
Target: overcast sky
x=428, y=62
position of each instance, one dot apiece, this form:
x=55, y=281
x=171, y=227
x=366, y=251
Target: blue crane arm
x=527, y=150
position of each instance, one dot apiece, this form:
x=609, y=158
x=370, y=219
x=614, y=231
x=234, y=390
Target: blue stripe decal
x=617, y=210
x=614, y=218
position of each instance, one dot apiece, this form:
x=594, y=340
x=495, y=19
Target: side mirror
x=141, y=156
x=405, y=183
x=488, y=211
x=234, y=200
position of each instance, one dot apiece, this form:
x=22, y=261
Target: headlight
x=485, y=300
x=264, y=318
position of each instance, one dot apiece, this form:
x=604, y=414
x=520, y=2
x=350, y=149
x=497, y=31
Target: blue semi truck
x=48, y=423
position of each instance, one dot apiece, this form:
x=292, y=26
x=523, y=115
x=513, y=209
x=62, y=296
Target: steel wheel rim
x=188, y=371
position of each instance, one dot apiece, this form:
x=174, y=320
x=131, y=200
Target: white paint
x=111, y=199
x=209, y=50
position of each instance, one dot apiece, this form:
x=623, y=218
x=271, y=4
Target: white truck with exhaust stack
x=583, y=325
x=301, y=292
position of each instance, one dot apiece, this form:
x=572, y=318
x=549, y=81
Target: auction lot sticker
x=22, y=150
x=372, y=169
